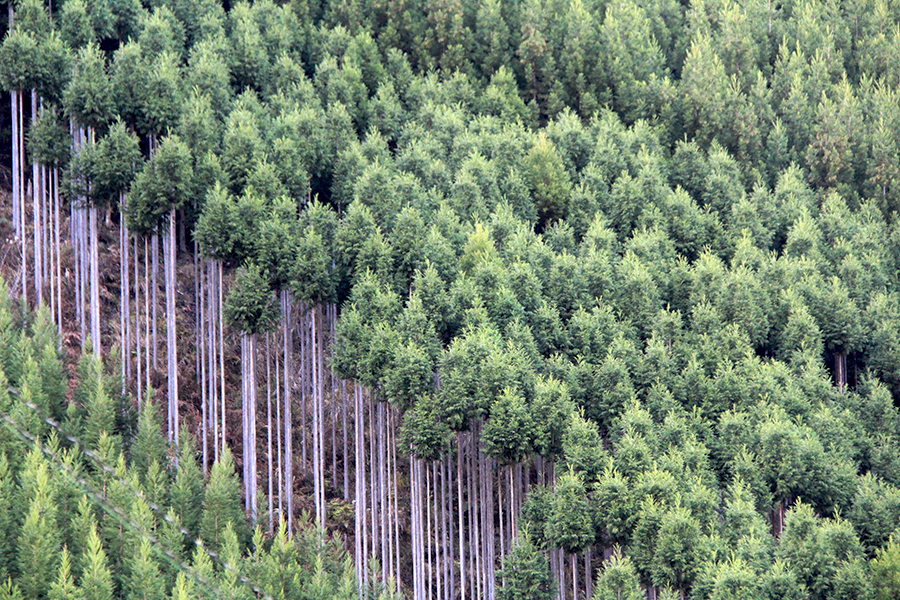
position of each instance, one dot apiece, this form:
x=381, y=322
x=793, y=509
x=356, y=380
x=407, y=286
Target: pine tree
x=9, y=519
x=145, y=582
x=96, y=581
x=39, y=543
x=222, y=504
x=618, y=580
x=526, y=573
x=64, y=587
x=187, y=493
x=149, y=443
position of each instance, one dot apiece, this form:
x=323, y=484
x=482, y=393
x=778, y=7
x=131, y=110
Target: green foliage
x=88, y=96
x=250, y=306
x=570, y=522
x=517, y=209
x=508, y=434
x=526, y=572
x=222, y=505
x=886, y=571
x=618, y=580
x=163, y=184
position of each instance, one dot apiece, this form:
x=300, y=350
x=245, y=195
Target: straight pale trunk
x=318, y=334
x=202, y=353
x=95, y=283
x=16, y=179
x=288, y=490
x=37, y=209
x=459, y=506
x=269, y=432
x=154, y=241
x=147, y=313
x=56, y=241
x=171, y=339
x=137, y=326
x=126, y=289
x=221, y=327
x=251, y=430
x=318, y=460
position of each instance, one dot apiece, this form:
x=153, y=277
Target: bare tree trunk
x=251, y=430
x=269, y=432
x=396, y=511
x=305, y=377
x=16, y=179
x=279, y=460
x=373, y=481
x=147, y=313
x=318, y=459
x=202, y=352
x=588, y=575
x=220, y=315
x=459, y=507
x=56, y=240
x=384, y=526
x=574, y=558
x=154, y=240
x=344, y=446
x=211, y=353
x=446, y=539
x=428, y=580
x=95, y=283
x=36, y=197
x=360, y=535
x=333, y=395
x=288, y=437
x=415, y=533
x=840, y=371
x=171, y=339
x=126, y=287
x=137, y=325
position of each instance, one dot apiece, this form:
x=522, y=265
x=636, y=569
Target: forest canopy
x=540, y=299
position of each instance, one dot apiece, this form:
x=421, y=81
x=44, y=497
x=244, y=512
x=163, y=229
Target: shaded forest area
x=546, y=299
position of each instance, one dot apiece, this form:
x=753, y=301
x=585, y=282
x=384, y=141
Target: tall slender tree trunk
x=36, y=197
x=56, y=240
x=221, y=327
x=319, y=345
x=16, y=178
x=344, y=445
x=279, y=467
x=154, y=241
x=396, y=509
x=171, y=337
x=137, y=326
x=360, y=537
x=588, y=575
x=207, y=415
x=126, y=288
x=95, y=283
x=318, y=460
x=288, y=490
x=147, y=314
x=459, y=505
x=251, y=429
x=269, y=433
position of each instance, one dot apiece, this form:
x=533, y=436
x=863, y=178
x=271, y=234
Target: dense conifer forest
x=435, y=299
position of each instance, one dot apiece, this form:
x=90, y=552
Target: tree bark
x=36, y=198
x=95, y=283
x=171, y=339
x=459, y=507
x=288, y=490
